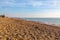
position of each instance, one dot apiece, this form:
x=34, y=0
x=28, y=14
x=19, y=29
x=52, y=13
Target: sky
x=30, y=8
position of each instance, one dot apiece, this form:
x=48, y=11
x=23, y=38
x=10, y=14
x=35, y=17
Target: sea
x=50, y=21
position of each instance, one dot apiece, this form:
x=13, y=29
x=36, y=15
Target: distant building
x=2, y=15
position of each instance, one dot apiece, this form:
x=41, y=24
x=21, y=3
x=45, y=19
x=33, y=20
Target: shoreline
x=54, y=24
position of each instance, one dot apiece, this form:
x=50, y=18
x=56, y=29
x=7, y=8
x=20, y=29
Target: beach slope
x=18, y=29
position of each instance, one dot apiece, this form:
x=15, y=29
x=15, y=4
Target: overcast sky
x=30, y=8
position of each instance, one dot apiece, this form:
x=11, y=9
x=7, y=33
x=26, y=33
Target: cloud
x=51, y=13
x=7, y=2
x=11, y=3
x=46, y=14
x=47, y=3
x=33, y=3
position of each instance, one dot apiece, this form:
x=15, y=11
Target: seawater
x=51, y=21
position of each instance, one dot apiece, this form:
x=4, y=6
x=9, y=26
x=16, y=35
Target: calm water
x=55, y=21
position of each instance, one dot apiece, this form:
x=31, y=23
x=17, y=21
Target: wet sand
x=19, y=29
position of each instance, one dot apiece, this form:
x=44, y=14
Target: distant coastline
x=50, y=21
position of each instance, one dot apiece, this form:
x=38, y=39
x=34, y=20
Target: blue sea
x=51, y=21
